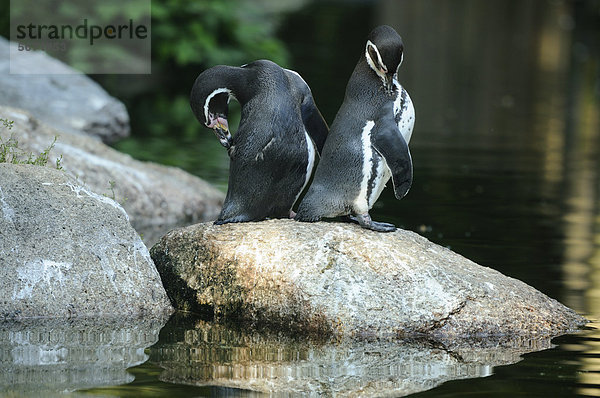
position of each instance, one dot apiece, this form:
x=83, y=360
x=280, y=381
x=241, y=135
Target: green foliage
x=112, y=195
x=111, y=186
x=8, y=150
x=57, y=162
x=11, y=153
x=7, y=123
x=211, y=32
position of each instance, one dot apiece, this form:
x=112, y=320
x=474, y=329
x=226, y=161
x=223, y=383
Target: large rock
x=153, y=195
x=339, y=279
x=66, y=251
x=59, y=95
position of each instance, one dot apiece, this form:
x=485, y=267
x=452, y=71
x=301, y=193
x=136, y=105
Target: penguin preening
x=273, y=152
x=368, y=139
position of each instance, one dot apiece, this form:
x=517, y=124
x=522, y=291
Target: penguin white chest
x=379, y=178
x=375, y=173
x=404, y=112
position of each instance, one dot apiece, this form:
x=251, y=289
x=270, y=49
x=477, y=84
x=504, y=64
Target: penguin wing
x=389, y=143
x=313, y=121
x=315, y=125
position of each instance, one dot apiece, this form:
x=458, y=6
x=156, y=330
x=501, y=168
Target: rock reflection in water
x=202, y=354
x=44, y=356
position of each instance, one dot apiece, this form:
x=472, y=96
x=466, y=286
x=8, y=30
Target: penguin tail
x=307, y=219
x=239, y=218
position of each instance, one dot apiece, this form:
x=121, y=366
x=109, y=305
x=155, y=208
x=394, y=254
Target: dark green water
x=506, y=152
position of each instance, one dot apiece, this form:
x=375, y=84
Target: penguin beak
x=221, y=130
x=222, y=133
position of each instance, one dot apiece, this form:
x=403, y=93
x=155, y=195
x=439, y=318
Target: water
x=506, y=152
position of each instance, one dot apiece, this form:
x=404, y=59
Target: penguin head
x=384, y=53
x=210, y=104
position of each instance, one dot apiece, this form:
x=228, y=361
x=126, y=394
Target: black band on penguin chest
x=402, y=107
x=375, y=162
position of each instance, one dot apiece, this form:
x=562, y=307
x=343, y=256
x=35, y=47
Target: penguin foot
x=365, y=221
x=382, y=226
x=292, y=214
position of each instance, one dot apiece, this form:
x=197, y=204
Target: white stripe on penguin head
x=381, y=73
x=210, y=97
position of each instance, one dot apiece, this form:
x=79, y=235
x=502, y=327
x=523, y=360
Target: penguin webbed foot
x=365, y=221
x=381, y=226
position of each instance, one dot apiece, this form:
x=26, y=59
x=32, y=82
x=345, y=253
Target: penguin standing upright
x=368, y=139
x=275, y=147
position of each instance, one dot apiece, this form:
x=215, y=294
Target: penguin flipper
x=313, y=121
x=389, y=143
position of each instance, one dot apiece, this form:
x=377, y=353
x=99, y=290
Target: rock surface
x=341, y=280
x=66, y=251
x=60, y=96
x=153, y=195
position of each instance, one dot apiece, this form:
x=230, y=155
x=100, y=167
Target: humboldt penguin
x=280, y=135
x=368, y=140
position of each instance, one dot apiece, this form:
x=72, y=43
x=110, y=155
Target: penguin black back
x=273, y=152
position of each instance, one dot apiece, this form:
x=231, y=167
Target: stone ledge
x=338, y=279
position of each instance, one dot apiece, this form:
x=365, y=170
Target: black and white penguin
x=368, y=140
x=280, y=134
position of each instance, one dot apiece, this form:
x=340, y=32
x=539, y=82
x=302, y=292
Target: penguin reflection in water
x=273, y=152
x=368, y=140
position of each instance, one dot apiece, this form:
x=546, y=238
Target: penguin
x=280, y=136
x=368, y=139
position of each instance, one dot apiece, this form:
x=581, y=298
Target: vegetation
x=210, y=32
x=11, y=153
x=7, y=123
x=112, y=195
